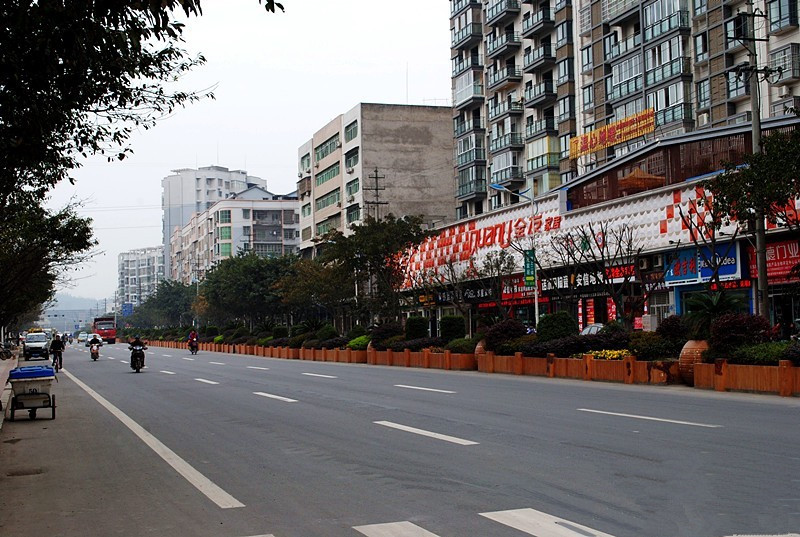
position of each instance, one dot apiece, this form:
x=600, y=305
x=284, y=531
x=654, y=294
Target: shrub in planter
x=334, y=343
x=673, y=328
x=416, y=328
x=562, y=347
x=280, y=332
x=462, y=345
x=209, y=331
x=219, y=339
x=614, y=327
x=296, y=330
x=768, y=353
x=241, y=340
x=607, y=341
x=648, y=346
x=555, y=326
x=312, y=344
x=452, y=327
x=516, y=345
x=416, y=345
x=792, y=353
x=383, y=332
x=387, y=343
x=734, y=330
x=279, y=342
x=359, y=343
x=326, y=332
x=504, y=331
x=296, y=342
x=251, y=341
x=357, y=331
x=265, y=341
x=241, y=332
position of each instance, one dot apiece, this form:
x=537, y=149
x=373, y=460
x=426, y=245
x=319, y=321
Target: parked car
x=82, y=337
x=37, y=345
x=593, y=328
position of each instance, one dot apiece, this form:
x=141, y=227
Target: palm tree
x=703, y=308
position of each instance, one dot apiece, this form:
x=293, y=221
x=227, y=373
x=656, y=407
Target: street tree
x=169, y=307
x=311, y=290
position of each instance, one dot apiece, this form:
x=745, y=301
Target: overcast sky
x=280, y=78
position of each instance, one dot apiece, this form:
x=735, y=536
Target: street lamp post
x=534, y=212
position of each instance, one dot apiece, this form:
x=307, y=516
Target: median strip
x=422, y=432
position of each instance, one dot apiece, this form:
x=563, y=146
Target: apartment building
x=252, y=220
x=533, y=79
x=139, y=273
x=375, y=159
x=188, y=191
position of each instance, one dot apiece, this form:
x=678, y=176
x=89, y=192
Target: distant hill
x=66, y=301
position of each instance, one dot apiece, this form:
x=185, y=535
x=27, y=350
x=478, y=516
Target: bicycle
x=57, y=360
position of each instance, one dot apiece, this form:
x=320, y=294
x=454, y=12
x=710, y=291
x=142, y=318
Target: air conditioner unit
x=351, y=199
x=702, y=119
x=785, y=92
x=338, y=203
x=644, y=263
x=349, y=170
x=338, y=143
x=316, y=164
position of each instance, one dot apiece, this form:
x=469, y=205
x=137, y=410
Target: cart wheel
x=11, y=408
x=53, y=406
x=32, y=413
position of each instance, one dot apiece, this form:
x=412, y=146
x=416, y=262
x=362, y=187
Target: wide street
x=239, y=446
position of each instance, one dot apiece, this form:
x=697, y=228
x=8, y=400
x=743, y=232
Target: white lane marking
x=394, y=529
x=421, y=388
x=535, y=522
x=649, y=418
x=278, y=397
x=167, y=372
x=259, y=368
x=212, y=491
x=217, y=363
x=423, y=432
x=206, y=381
x=188, y=359
x=110, y=358
x=267, y=535
x=321, y=376
x=167, y=355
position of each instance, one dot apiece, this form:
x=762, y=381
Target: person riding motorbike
x=57, y=348
x=95, y=341
x=136, y=343
x=192, y=340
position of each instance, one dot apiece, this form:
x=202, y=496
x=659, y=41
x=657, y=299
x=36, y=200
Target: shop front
x=784, y=288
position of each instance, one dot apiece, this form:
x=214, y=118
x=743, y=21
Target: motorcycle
x=193, y=345
x=94, y=351
x=137, y=357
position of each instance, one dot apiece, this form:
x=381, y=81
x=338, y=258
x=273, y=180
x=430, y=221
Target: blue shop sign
x=693, y=265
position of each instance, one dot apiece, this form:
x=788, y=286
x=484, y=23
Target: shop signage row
x=695, y=265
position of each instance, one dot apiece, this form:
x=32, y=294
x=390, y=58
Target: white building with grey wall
x=139, y=273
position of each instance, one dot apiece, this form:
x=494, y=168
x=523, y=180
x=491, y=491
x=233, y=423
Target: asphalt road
x=236, y=446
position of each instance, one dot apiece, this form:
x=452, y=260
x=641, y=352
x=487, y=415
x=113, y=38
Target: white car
x=83, y=336
x=92, y=336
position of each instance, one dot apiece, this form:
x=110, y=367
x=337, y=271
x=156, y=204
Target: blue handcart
x=31, y=388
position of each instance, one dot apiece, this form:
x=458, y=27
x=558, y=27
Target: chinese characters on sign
x=781, y=257
x=625, y=129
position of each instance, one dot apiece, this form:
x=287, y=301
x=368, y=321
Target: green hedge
x=452, y=327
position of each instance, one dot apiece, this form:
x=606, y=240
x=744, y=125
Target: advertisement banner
x=781, y=257
x=693, y=265
x=625, y=129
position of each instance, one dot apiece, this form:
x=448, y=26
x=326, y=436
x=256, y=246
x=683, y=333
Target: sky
x=279, y=78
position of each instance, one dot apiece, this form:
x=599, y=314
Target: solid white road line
x=535, y=522
x=421, y=388
x=206, y=381
x=188, y=359
x=278, y=397
x=394, y=529
x=649, y=418
x=422, y=432
x=321, y=376
x=201, y=482
x=259, y=368
x=167, y=372
x=217, y=363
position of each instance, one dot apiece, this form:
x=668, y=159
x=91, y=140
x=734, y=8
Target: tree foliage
x=311, y=288
x=170, y=306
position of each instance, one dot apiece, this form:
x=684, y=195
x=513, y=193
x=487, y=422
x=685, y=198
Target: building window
x=246, y=214
x=787, y=60
x=563, y=33
x=352, y=187
x=700, y=7
x=306, y=234
x=586, y=59
x=782, y=14
x=704, y=94
x=353, y=214
x=327, y=147
x=225, y=232
x=351, y=158
x=735, y=29
x=566, y=106
x=736, y=85
x=563, y=142
x=225, y=249
x=305, y=162
x=564, y=70
x=701, y=47
x=224, y=216
x=329, y=199
x=327, y=174
x=351, y=131
x=588, y=96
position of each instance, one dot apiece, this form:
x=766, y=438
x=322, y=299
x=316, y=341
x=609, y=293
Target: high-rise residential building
x=252, y=220
x=530, y=79
x=375, y=159
x=140, y=271
x=188, y=191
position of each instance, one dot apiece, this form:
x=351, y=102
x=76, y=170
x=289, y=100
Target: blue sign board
x=127, y=309
x=693, y=265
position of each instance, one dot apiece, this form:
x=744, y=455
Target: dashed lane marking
x=206, y=381
x=259, y=368
x=167, y=372
x=188, y=359
x=422, y=432
x=394, y=529
x=650, y=418
x=422, y=389
x=217, y=363
x=320, y=376
x=278, y=397
x=541, y=524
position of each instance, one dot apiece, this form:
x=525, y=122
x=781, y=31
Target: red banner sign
x=781, y=257
x=625, y=129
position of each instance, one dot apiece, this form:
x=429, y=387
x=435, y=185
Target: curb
x=5, y=396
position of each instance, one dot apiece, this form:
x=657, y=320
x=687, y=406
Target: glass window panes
x=327, y=147
x=703, y=94
x=246, y=214
x=352, y=187
x=224, y=216
x=351, y=131
x=327, y=174
x=306, y=210
x=782, y=14
x=225, y=232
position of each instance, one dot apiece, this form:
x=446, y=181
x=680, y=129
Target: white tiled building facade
x=140, y=271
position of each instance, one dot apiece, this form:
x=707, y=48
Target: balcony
x=678, y=20
x=611, y=9
x=622, y=47
x=539, y=57
x=470, y=125
x=461, y=65
x=508, y=176
x=503, y=77
x=632, y=85
x=561, y=4
x=677, y=67
x=738, y=89
x=503, y=44
x=461, y=5
x=544, y=162
x=476, y=155
x=679, y=112
x=504, y=108
x=542, y=127
x=501, y=10
x=471, y=189
x=468, y=97
x=540, y=93
x=467, y=36
x=786, y=63
x=512, y=140
x=539, y=22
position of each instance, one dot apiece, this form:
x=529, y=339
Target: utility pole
x=377, y=189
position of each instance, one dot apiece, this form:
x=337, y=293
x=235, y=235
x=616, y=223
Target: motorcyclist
x=57, y=348
x=95, y=341
x=192, y=340
x=137, y=343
